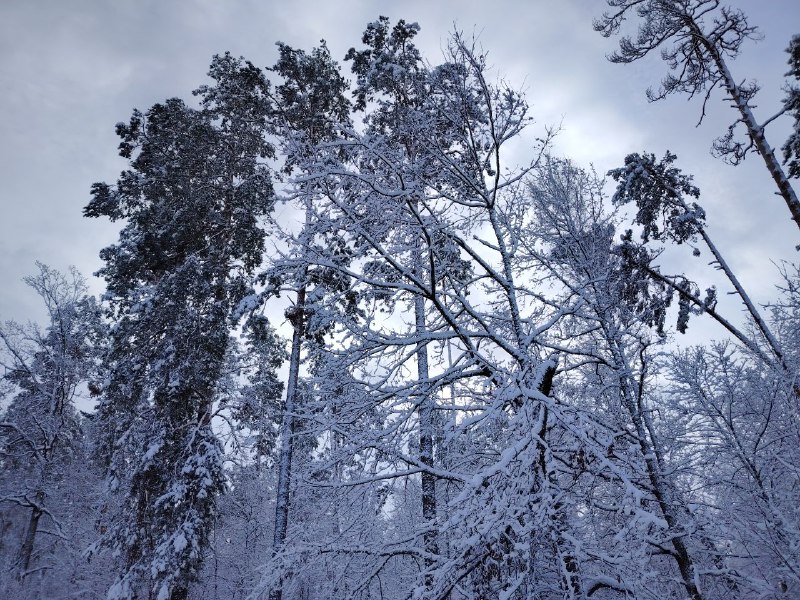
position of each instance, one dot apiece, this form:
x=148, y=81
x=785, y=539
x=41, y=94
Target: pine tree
x=697, y=39
x=391, y=73
x=310, y=106
x=190, y=202
x=256, y=404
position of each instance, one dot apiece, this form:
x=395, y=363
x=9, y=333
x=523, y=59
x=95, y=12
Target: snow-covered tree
x=393, y=79
x=310, y=105
x=609, y=344
x=435, y=219
x=42, y=447
x=697, y=39
x=791, y=149
x=190, y=203
x=741, y=436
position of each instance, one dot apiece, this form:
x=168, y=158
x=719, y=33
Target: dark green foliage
x=390, y=64
x=312, y=109
x=636, y=288
x=791, y=149
x=657, y=189
x=311, y=100
x=191, y=200
x=258, y=410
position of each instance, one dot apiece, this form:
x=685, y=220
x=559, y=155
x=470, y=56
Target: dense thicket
x=481, y=399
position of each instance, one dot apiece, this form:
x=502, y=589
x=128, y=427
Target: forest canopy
x=354, y=344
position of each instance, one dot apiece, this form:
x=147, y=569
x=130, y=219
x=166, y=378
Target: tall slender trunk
x=425, y=412
x=754, y=130
x=426, y=432
x=282, y=501
x=444, y=461
x=722, y=265
x=26, y=551
x=653, y=459
x=571, y=575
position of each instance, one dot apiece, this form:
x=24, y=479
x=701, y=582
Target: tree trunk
x=179, y=593
x=26, y=551
x=426, y=431
x=571, y=576
x=662, y=491
x=297, y=318
x=754, y=130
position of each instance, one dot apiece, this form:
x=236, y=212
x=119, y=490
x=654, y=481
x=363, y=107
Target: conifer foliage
x=190, y=202
x=481, y=400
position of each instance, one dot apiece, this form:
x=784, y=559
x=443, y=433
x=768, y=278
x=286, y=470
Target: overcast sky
x=70, y=70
